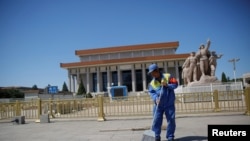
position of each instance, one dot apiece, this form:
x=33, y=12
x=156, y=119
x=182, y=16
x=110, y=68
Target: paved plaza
x=189, y=128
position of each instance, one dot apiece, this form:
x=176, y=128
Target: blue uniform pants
x=158, y=118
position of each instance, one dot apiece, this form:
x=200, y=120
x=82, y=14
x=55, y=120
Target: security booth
x=118, y=92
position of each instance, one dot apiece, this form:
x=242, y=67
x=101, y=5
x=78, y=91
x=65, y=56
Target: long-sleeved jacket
x=168, y=94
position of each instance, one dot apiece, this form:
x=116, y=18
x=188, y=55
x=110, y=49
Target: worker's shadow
x=191, y=138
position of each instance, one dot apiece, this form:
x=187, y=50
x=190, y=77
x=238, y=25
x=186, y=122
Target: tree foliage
x=81, y=89
x=223, y=77
x=34, y=87
x=89, y=95
x=11, y=93
x=65, y=88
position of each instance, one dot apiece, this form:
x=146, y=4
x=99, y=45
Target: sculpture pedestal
x=205, y=80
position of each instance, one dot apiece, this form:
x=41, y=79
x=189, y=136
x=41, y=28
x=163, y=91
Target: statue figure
x=199, y=68
x=213, y=62
x=190, y=69
x=185, y=73
x=193, y=67
x=202, y=56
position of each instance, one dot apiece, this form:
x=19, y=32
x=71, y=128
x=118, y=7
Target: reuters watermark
x=218, y=132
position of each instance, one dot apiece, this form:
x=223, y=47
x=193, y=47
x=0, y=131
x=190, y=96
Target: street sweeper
x=161, y=90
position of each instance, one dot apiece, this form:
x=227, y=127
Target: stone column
x=119, y=76
x=98, y=79
x=108, y=77
x=78, y=79
x=165, y=66
x=74, y=84
x=69, y=80
x=133, y=78
x=177, y=71
x=144, y=81
x=87, y=76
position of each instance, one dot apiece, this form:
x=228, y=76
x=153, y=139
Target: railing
x=210, y=88
x=104, y=107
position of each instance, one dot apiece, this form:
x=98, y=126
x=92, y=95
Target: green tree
x=11, y=93
x=34, y=87
x=17, y=94
x=223, y=77
x=81, y=89
x=4, y=93
x=89, y=95
x=65, y=88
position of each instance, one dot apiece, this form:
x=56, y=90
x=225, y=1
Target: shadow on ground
x=191, y=138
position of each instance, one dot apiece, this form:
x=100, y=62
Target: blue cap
x=152, y=67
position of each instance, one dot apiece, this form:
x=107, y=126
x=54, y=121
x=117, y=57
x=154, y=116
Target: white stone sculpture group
x=199, y=68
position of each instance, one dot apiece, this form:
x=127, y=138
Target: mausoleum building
x=100, y=68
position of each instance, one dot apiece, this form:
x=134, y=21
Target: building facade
x=101, y=68
x=246, y=80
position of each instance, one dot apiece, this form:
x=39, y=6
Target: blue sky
x=37, y=35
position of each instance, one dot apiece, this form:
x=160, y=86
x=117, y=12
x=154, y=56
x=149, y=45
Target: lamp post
x=234, y=60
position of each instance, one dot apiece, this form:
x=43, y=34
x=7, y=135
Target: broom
x=149, y=135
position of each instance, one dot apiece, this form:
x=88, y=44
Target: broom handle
x=153, y=121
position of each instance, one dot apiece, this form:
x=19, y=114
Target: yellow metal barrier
x=51, y=111
x=102, y=107
x=101, y=116
x=39, y=109
x=247, y=100
x=216, y=101
x=17, y=108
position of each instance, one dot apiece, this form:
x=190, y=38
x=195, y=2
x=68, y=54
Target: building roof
x=124, y=60
x=139, y=47
x=245, y=75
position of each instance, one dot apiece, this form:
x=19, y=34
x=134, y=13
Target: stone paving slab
x=189, y=128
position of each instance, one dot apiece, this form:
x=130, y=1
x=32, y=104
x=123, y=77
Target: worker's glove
x=157, y=101
x=164, y=83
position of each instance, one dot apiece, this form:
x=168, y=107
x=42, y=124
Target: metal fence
x=210, y=88
x=104, y=107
